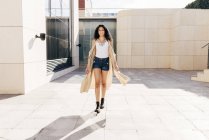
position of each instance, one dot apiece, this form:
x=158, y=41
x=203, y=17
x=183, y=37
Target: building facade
x=24, y=59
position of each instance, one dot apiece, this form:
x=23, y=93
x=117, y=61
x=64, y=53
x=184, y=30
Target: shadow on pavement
x=64, y=128
x=6, y=96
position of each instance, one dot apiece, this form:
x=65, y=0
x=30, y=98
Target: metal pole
x=71, y=18
x=208, y=57
x=50, y=7
x=61, y=6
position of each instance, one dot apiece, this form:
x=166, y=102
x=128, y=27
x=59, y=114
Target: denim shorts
x=101, y=63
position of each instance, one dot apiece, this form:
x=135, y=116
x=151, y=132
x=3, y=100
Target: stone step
x=194, y=78
x=206, y=72
x=201, y=76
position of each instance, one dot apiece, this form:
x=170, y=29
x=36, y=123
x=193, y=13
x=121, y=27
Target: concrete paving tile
x=34, y=123
x=121, y=134
x=156, y=134
x=115, y=123
x=163, y=108
x=175, y=100
x=117, y=106
x=206, y=133
x=52, y=86
x=4, y=132
x=86, y=135
x=7, y=106
x=135, y=100
x=44, y=114
x=196, y=115
x=120, y=114
x=189, y=134
x=32, y=101
x=187, y=108
x=149, y=125
x=174, y=124
x=165, y=115
x=26, y=107
x=198, y=100
x=139, y=107
x=20, y=134
x=151, y=100
x=140, y=114
x=8, y=124
x=201, y=124
x=203, y=107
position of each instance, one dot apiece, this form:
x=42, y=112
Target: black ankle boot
x=102, y=103
x=97, y=108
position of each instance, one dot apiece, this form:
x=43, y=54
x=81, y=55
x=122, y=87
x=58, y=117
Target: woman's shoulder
x=93, y=41
x=109, y=42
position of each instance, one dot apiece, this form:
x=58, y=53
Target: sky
x=140, y=3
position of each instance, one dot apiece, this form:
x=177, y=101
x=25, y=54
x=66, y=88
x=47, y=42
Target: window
x=58, y=30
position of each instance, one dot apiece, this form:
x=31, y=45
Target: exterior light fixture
x=42, y=36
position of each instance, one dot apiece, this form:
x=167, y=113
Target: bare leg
x=97, y=75
x=104, y=83
x=104, y=87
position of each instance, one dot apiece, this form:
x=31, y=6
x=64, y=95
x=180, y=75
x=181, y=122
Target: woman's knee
x=104, y=84
x=97, y=84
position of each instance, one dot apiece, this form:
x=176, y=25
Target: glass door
x=58, y=34
x=86, y=33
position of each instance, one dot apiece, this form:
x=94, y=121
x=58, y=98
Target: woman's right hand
x=88, y=69
x=116, y=67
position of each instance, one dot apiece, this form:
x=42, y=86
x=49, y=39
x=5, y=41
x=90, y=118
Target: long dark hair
x=107, y=34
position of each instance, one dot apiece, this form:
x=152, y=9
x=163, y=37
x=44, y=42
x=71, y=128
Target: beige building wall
x=162, y=38
x=75, y=34
x=11, y=44
x=190, y=31
x=23, y=58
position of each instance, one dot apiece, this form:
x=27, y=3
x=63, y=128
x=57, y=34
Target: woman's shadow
x=63, y=127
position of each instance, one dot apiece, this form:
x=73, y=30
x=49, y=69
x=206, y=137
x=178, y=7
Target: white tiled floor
x=148, y=108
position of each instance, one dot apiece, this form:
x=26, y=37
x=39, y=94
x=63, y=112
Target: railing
x=60, y=12
x=99, y=12
x=85, y=12
x=207, y=45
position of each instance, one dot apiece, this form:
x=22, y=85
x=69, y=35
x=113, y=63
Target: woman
x=101, y=63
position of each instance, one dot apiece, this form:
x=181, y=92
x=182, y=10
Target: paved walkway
x=158, y=104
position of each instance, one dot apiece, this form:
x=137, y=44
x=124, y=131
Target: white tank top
x=102, y=50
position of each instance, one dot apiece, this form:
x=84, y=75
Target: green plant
x=198, y=4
